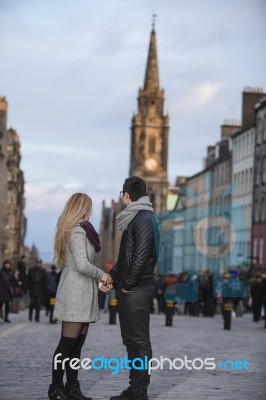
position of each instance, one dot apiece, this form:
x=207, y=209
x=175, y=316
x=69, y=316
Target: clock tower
x=149, y=133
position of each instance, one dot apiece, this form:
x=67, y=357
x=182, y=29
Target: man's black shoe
x=138, y=397
x=125, y=395
x=73, y=392
x=6, y=320
x=57, y=392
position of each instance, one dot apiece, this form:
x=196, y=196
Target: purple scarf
x=92, y=235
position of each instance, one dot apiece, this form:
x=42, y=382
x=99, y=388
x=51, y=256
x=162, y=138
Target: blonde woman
x=76, y=242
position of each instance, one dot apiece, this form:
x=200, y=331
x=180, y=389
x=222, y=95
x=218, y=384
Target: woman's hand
x=106, y=279
x=106, y=283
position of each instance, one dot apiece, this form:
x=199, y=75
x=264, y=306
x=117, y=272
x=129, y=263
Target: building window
x=240, y=148
x=251, y=179
x=261, y=250
x=252, y=141
x=258, y=130
x=236, y=148
x=257, y=182
x=255, y=247
x=242, y=183
x=257, y=211
x=264, y=170
x=246, y=182
x=238, y=183
x=152, y=145
x=262, y=210
x=244, y=146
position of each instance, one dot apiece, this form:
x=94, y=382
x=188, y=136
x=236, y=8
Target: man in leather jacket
x=133, y=275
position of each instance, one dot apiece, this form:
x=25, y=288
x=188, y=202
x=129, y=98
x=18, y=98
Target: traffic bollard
x=227, y=315
x=52, y=304
x=169, y=313
x=113, y=310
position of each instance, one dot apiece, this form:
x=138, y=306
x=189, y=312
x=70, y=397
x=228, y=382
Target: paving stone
x=27, y=349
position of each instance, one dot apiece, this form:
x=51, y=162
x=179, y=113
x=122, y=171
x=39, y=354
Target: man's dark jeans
x=35, y=302
x=134, y=314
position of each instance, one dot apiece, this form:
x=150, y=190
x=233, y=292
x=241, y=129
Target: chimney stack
x=251, y=96
x=229, y=127
x=210, y=149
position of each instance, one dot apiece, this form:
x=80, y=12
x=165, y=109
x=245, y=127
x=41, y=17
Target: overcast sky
x=71, y=70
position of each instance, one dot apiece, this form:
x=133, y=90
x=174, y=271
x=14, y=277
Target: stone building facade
x=221, y=196
x=205, y=207
x=243, y=177
x=12, y=218
x=258, y=248
x=4, y=140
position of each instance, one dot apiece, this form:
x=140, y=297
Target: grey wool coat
x=77, y=293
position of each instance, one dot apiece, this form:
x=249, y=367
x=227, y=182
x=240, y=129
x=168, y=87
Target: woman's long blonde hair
x=77, y=209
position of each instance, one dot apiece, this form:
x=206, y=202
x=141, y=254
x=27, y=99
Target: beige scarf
x=132, y=210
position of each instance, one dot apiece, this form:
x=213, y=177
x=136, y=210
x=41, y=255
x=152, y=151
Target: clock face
x=151, y=164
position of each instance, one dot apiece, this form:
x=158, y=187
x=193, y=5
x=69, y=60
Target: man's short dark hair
x=135, y=187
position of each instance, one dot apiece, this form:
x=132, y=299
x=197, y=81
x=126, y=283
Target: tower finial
x=152, y=75
x=154, y=16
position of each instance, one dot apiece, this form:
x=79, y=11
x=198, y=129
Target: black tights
x=73, y=336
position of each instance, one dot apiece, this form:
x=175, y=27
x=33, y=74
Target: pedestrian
x=37, y=286
x=52, y=284
x=210, y=297
x=22, y=274
x=159, y=293
x=76, y=242
x=8, y=285
x=257, y=297
x=134, y=276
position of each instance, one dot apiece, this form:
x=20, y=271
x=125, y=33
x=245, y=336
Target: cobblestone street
x=27, y=348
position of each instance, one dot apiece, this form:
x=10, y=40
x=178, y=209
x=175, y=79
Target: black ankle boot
x=57, y=392
x=73, y=392
x=125, y=395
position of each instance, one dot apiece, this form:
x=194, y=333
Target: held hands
x=106, y=283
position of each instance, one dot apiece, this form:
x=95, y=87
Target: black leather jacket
x=138, y=254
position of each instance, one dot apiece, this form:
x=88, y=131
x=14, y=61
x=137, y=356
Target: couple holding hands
x=76, y=243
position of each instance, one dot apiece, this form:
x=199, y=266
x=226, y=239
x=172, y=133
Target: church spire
x=152, y=75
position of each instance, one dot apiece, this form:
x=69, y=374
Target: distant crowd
x=191, y=295
x=203, y=295
x=37, y=285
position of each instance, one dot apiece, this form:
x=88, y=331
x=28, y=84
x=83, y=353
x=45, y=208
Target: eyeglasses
x=121, y=193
